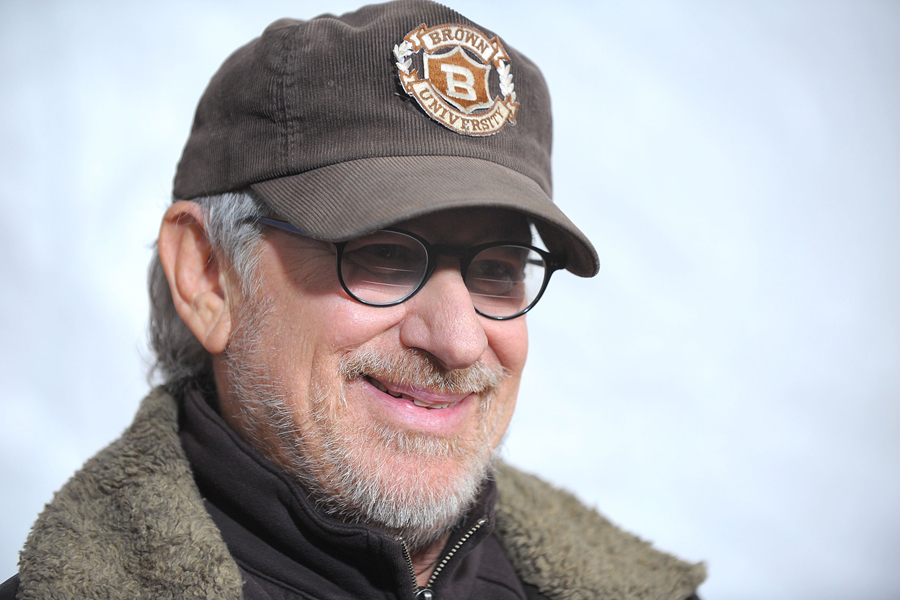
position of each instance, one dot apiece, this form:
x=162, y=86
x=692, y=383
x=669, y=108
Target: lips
x=418, y=396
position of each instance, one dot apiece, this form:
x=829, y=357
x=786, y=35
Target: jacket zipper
x=426, y=593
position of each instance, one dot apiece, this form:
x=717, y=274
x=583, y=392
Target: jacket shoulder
x=130, y=520
x=571, y=552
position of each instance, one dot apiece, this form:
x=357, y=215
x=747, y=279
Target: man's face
x=388, y=415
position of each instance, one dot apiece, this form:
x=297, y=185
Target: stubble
x=349, y=467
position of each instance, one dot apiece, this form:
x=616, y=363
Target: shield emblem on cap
x=462, y=81
x=457, y=62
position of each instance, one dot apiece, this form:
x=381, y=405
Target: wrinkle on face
x=292, y=383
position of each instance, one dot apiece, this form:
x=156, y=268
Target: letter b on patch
x=459, y=79
x=461, y=89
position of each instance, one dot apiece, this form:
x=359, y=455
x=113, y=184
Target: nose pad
x=442, y=321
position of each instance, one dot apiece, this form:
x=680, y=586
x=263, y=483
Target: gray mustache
x=415, y=368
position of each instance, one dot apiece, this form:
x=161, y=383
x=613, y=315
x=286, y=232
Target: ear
x=197, y=281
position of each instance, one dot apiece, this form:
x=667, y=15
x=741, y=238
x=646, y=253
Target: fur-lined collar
x=131, y=524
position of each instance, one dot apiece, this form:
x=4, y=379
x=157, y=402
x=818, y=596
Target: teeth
x=415, y=401
x=382, y=387
x=422, y=404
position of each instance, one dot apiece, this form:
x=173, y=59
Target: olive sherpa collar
x=131, y=524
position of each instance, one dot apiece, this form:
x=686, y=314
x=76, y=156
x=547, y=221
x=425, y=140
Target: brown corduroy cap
x=335, y=123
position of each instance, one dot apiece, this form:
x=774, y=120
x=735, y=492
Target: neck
x=424, y=561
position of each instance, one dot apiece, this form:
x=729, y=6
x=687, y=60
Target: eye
x=494, y=270
x=497, y=272
x=383, y=267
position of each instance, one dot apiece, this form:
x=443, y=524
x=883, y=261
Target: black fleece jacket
x=287, y=549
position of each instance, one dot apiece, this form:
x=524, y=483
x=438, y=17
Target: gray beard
x=338, y=474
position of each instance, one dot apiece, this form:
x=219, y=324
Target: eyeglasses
x=387, y=267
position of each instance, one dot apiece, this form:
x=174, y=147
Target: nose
x=442, y=321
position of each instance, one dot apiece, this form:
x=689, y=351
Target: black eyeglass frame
x=432, y=253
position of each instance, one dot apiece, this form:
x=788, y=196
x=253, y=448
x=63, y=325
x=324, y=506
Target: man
x=338, y=305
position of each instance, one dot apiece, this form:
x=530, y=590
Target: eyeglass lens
x=387, y=266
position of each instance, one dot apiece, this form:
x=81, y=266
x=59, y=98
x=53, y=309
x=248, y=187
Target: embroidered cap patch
x=457, y=66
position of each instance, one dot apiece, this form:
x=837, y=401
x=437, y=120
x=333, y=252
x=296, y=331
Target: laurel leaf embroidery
x=506, y=82
x=401, y=51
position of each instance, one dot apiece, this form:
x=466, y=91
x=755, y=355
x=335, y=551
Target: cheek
x=316, y=331
x=509, y=342
x=314, y=318
x=351, y=324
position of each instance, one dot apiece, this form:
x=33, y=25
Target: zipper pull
x=424, y=594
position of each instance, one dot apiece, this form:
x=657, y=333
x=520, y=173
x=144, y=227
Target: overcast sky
x=728, y=386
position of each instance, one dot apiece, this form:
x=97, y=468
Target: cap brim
x=352, y=198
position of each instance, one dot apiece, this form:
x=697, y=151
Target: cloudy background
x=728, y=386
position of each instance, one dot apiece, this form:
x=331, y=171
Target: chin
x=412, y=485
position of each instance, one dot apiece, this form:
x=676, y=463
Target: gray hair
x=180, y=358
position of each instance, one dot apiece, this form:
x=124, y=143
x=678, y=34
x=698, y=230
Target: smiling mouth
x=383, y=388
